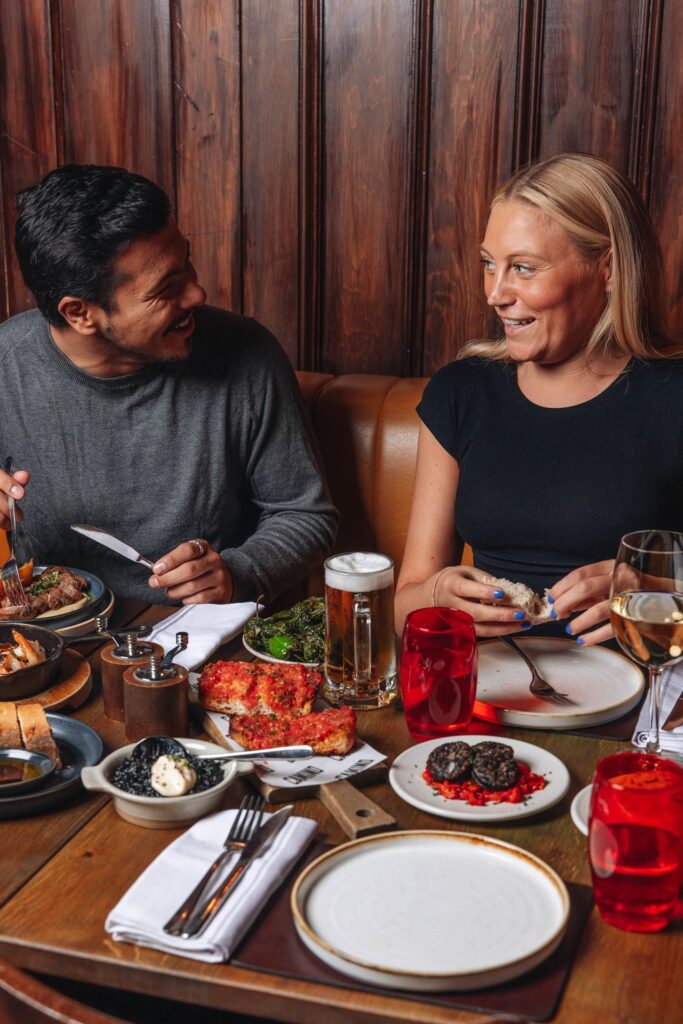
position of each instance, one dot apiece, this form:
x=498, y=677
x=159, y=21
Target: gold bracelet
x=436, y=580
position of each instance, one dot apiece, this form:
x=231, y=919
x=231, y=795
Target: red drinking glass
x=635, y=840
x=438, y=672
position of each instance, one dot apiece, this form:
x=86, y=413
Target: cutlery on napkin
x=207, y=625
x=141, y=913
x=671, y=733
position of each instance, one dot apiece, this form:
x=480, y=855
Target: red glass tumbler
x=438, y=672
x=635, y=840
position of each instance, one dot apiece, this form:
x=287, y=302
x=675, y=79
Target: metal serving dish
x=26, y=682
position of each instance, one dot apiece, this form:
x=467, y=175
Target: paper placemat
x=274, y=947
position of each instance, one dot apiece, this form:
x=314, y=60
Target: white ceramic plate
x=87, y=625
x=603, y=684
x=405, y=777
x=581, y=808
x=277, y=661
x=430, y=911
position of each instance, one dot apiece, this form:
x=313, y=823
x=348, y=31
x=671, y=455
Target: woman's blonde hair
x=603, y=215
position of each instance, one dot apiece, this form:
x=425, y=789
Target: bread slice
x=537, y=608
x=9, y=726
x=36, y=732
x=332, y=731
x=257, y=687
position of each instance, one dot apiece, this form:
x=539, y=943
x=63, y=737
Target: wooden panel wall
x=332, y=161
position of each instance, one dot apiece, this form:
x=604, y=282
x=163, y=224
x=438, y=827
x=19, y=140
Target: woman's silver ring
x=200, y=547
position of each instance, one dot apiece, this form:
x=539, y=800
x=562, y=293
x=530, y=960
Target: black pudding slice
x=450, y=762
x=494, y=766
x=492, y=747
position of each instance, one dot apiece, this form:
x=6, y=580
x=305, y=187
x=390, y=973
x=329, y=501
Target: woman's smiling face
x=547, y=297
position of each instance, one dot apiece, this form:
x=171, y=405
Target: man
x=133, y=407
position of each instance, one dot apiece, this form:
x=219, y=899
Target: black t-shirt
x=543, y=491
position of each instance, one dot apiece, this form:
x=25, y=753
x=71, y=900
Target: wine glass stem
x=655, y=676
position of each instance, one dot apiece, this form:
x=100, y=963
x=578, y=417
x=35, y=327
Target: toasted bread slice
x=10, y=735
x=36, y=732
x=332, y=731
x=257, y=687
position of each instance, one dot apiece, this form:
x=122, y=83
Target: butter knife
x=113, y=543
x=255, y=848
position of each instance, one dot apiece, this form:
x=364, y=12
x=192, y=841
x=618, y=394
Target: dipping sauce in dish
x=14, y=770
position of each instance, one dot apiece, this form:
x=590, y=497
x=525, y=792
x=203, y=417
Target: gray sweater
x=216, y=446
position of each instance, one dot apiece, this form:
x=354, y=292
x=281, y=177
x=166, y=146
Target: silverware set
x=247, y=837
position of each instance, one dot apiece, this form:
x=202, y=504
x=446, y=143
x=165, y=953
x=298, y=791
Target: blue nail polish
x=553, y=613
x=526, y=625
x=519, y=615
x=580, y=640
x=551, y=599
x=568, y=629
x=499, y=594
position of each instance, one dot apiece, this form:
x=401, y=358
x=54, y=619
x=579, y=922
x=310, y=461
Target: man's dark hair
x=73, y=224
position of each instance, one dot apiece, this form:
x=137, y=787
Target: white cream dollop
x=172, y=776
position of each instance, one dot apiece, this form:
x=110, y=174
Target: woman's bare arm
x=427, y=574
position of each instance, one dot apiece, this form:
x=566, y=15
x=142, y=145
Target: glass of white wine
x=646, y=608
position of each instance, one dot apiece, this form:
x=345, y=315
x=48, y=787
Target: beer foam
x=359, y=572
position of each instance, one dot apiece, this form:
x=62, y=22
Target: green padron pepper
x=280, y=646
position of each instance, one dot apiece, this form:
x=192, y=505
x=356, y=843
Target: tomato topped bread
x=332, y=731
x=256, y=687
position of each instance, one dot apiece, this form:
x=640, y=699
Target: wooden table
x=61, y=873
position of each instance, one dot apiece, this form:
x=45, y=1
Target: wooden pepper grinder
x=124, y=650
x=155, y=696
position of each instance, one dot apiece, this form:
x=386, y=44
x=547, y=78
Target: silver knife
x=255, y=848
x=102, y=537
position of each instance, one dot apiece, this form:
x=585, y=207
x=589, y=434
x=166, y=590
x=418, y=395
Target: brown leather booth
x=367, y=428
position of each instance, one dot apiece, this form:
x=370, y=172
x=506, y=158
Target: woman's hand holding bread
x=473, y=591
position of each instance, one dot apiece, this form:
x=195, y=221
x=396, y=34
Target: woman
x=543, y=448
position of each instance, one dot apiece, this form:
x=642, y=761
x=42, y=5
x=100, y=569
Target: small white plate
x=430, y=911
x=277, y=661
x=405, y=777
x=87, y=625
x=602, y=684
x=581, y=808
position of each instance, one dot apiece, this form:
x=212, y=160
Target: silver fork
x=9, y=574
x=247, y=821
x=539, y=686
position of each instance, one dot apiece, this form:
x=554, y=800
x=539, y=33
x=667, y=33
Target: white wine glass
x=646, y=608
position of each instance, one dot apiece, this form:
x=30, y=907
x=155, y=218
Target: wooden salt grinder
x=155, y=697
x=125, y=650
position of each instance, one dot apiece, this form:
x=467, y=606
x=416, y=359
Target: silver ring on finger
x=200, y=547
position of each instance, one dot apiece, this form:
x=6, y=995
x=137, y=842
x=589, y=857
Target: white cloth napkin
x=671, y=740
x=208, y=626
x=141, y=913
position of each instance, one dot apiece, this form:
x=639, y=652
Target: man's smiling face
x=151, y=311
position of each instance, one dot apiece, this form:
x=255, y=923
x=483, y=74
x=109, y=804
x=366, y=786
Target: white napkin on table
x=144, y=909
x=208, y=626
x=671, y=740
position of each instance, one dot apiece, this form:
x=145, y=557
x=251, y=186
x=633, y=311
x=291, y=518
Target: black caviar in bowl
x=134, y=775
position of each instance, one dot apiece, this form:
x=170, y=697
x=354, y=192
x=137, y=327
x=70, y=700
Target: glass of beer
x=635, y=840
x=360, y=645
